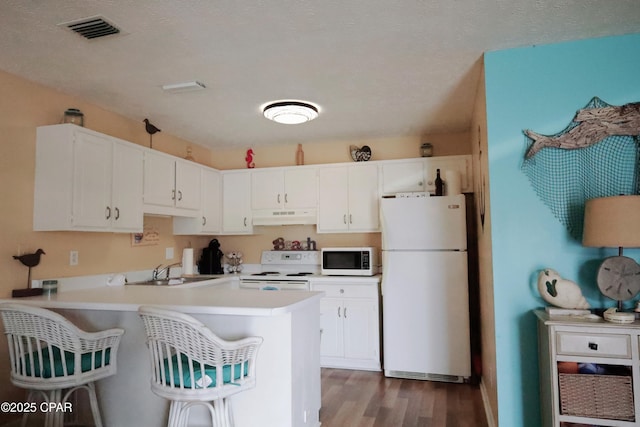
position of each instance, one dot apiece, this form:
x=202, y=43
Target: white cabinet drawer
x=600, y=345
x=347, y=290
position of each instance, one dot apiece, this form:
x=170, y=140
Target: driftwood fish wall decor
x=564, y=178
x=594, y=125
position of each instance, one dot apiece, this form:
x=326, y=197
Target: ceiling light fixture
x=183, y=87
x=290, y=112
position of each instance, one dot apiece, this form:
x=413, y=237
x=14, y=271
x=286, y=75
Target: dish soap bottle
x=439, y=184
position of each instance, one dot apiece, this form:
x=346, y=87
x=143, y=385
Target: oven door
x=274, y=285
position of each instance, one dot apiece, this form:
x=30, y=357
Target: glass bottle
x=439, y=184
x=299, y=156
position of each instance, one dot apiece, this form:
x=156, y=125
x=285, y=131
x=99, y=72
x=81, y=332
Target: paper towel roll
x=187, y=261
x=452, y=183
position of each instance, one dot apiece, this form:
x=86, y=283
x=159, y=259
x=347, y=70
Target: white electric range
x=284, y=270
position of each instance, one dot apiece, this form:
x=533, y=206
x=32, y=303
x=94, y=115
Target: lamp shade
x=612, y=222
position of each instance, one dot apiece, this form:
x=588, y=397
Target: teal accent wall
x=540, y=88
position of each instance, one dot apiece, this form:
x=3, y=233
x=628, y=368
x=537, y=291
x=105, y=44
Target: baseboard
x=491, y=422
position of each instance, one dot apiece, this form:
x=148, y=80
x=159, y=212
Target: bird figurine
x=151, y=129
x=30, y=260
x=560, y=292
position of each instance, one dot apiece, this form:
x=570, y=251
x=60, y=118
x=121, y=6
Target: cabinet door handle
x=173, y=194
x=593, y=346
x=179, y=195
x=344, y=312
x=338, y=311
x=245, y=221
x=286, y=198
x=350, y=219
x=278, y=197
x=204, y=220
x=108, y=212
x=117, y=210
x=344, y=218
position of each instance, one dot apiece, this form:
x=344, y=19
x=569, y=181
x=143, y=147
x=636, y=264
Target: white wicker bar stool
x=192, y=366
x=53, y=358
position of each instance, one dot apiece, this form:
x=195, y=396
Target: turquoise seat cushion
x=46, y=370
x=210, y=373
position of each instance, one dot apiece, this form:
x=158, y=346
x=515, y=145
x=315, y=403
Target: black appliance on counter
x=211, y=260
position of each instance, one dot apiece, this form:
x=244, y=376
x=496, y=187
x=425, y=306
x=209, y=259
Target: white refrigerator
x=425, y=294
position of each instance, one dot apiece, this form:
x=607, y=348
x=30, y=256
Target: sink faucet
x=158, y=271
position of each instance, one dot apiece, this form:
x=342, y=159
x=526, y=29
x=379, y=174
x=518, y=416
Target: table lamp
x=615, y=222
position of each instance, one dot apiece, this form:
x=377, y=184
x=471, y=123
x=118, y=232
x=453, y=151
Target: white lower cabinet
x=589, y=372
x=349, y=323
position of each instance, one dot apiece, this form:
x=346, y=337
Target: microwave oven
x=349, y=261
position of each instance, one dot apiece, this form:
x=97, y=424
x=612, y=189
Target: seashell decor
x=560, y=292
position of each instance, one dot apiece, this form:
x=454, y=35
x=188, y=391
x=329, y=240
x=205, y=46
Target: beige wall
x=100, y=253
x=26, y=106
x=319, y=153
x=33, y=105
x=479, y=146
x=338, y=151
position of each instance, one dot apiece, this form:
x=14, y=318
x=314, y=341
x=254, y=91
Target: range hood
x=285, y=216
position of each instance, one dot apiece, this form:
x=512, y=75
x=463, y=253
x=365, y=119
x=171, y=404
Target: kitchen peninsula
x=287, y=392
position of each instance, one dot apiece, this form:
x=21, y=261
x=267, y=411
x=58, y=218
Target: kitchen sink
x=168, y=282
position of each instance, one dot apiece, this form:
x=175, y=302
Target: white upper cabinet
x=403, y=177
x=210, y=222
x=171, y=185
x=236, y=202
x=126, y=194
x=86, y=181
x=419, y=175
x=188, y=185
x=284, y=188
x=461, y=164
x=348, y=198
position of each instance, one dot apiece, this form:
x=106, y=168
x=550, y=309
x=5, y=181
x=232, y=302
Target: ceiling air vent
x=92, y=28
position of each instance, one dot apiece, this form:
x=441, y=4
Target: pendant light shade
x=290, y=112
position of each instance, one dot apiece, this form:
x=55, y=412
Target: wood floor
x=369, y=399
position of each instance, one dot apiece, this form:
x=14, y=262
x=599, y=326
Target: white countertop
x=204, y=299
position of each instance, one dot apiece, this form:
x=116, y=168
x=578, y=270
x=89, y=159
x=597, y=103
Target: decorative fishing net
x=565, y=179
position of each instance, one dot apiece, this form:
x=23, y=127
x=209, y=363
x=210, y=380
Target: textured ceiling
x=377, y=68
